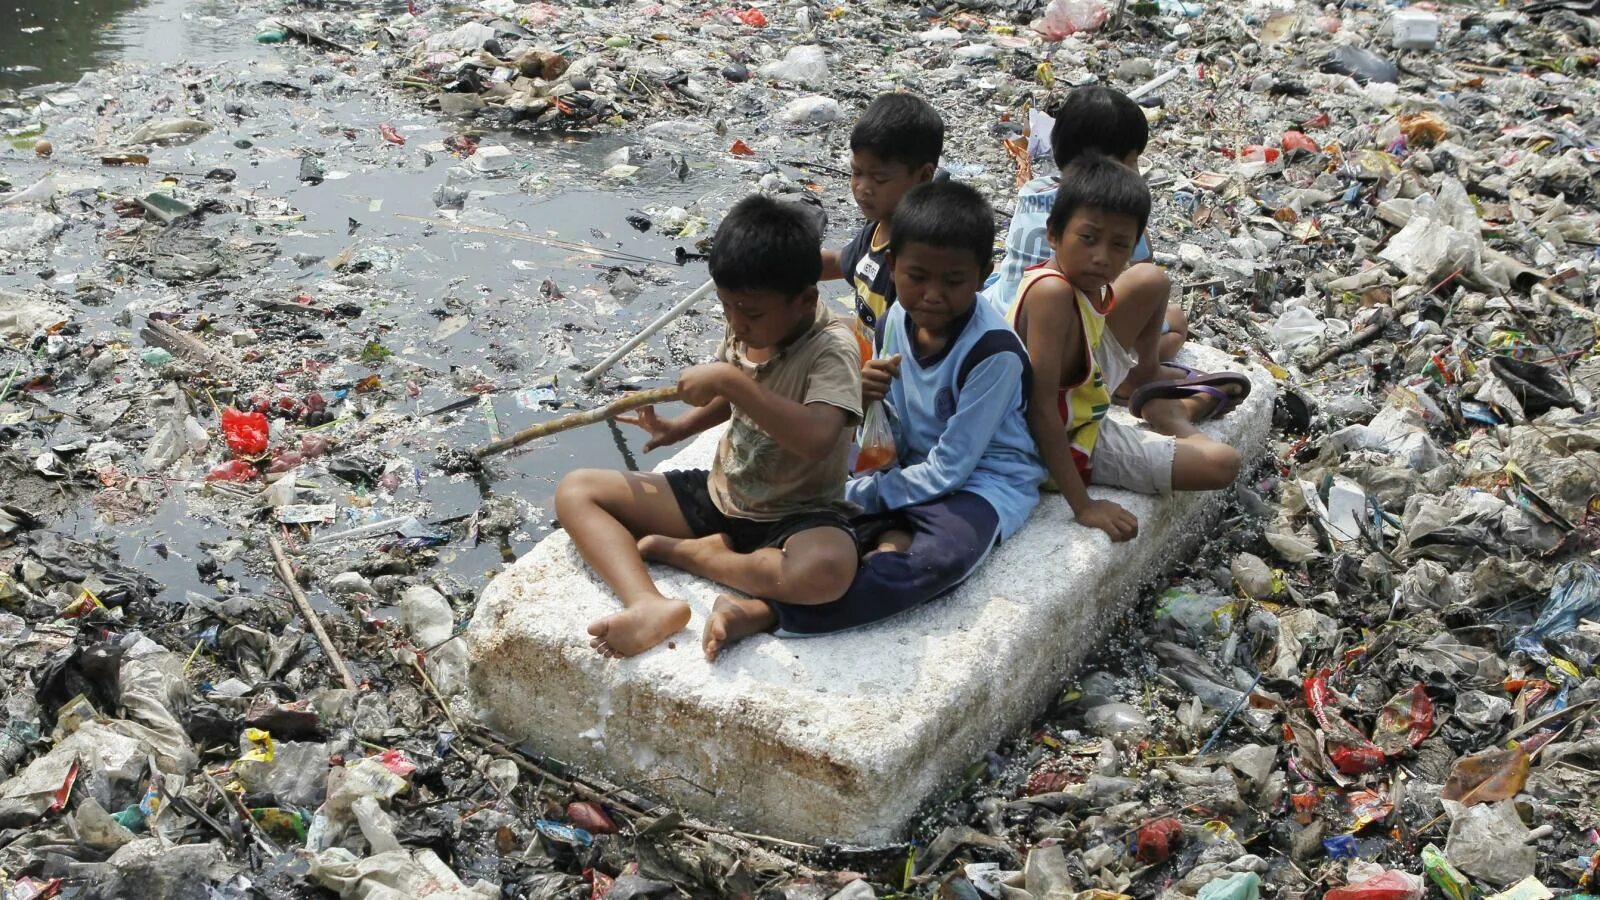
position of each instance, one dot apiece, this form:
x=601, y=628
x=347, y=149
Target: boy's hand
x=663, y=432
x=1107, y=516
x=699, y=385
x=876, y=376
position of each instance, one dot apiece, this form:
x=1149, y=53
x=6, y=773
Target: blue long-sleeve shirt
x=959, y=421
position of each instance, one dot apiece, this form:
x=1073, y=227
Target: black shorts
x=746, y=535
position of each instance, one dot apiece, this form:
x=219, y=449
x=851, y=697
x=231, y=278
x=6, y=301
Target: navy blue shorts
x=744, y=535
x=950, y=537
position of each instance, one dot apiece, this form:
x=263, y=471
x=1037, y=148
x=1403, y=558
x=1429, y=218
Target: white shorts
x=1131, y=456
x=1128, y=454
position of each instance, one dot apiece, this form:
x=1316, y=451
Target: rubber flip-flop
x=1214, y=385
x=1188, y=372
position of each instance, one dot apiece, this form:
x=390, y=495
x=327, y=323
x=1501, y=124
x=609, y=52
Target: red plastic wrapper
x=1158, y=839
x=285, y=460
x=397, y=762
x=313, y=446
x=1046, y=781
x=235, y=470
x=1297, y=140
x=245, y=432
x=1348, y=748
x=591, y=818
x=1388, y=886
x=599, y=883
x=1404, y=722
x=390, y=135
x=753, y=17
x=1368, y=807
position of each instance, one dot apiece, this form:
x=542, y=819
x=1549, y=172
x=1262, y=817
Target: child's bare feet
x=688, y=554
x=734, y=619
x=645, y=623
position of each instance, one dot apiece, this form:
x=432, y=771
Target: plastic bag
x=1574, y=595
x=1361, y=64
x=1298, y=325
x=235, y=470
x=806, y=64
x=245, y=432
x=1390, y=885
x=875, y=441
x=1068, y=17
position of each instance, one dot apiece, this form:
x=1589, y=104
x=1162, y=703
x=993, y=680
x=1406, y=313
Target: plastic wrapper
x=1063, y=18
x=1348, y=749
x=1447, y=878
x=245, y=432
x=1390, y=885
x=1404, y=722
x=235, y=470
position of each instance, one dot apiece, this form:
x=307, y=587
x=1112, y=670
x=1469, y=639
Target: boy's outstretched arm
x=1053, y=327
x=665, y=432
x=809, y=430
x=993, y=390
x=832, y=269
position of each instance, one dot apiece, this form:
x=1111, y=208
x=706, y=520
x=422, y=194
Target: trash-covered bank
x=264, y=295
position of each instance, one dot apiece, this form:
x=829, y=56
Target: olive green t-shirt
x=753, y=476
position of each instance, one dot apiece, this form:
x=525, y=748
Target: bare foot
x=734, y=619
x=686, y=554
x=644, y=624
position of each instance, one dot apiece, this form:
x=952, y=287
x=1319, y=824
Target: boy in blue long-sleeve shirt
x=956, y=382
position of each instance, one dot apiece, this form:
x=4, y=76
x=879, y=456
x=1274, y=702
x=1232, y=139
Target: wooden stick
x=661, y=322
x=588, y=417
x=1361, y=338
x=286, y=575
x=514, y=235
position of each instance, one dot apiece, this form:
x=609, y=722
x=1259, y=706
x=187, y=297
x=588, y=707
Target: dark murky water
x=513, y=331
x=46, y=41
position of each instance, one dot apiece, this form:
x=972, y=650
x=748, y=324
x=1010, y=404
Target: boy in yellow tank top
x=1077, y=333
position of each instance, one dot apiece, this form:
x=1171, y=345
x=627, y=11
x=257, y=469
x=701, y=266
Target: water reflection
x=47, y=41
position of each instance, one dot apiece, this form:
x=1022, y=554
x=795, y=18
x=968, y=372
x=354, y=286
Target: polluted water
x=271, y=271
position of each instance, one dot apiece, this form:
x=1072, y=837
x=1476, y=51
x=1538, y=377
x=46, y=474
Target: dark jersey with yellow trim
x=866, y=267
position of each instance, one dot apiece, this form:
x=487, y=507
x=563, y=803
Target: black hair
x=763, y=244
x=1095, y=181
x=1095, y=117
x=944, y=214
x=900, y=128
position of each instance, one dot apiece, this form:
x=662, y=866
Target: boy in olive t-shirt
x=770, y=518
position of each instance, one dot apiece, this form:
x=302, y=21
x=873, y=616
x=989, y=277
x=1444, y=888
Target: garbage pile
x=221, y=347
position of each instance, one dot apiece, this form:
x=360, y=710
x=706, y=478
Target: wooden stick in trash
x=661, y=321
x=1359, y=339
x=576, y=420
x=286, y=575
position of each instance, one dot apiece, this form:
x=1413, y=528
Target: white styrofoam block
x=841, y=737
